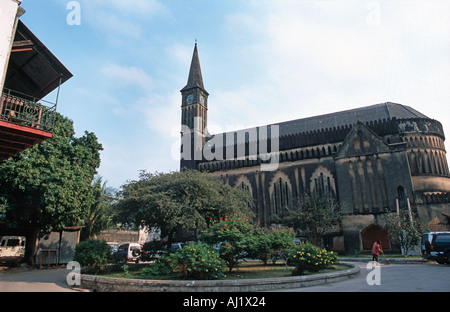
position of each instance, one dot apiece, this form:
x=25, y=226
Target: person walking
x=376, y=248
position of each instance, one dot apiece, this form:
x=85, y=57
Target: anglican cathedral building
x=368, y=160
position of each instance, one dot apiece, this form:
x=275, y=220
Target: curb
x=109, y=284
x=391, y=260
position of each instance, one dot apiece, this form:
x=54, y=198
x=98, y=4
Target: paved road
x=429, y=277
x=394, y=277
x=25, y=280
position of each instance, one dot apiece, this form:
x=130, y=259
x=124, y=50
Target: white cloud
x=127, y=76
x=180, y=53
x=274, y=61
x=145, y=8
x=115, y=26
x=162, y=113
x=121, y=21
x=123, y=162
x=325, y=56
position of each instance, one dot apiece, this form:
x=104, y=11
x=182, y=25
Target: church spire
x=195, y=73
x=194, y=116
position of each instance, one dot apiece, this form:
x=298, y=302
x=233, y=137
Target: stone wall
x=106, y=284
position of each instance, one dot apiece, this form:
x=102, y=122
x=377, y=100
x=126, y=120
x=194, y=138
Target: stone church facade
x=368, y=160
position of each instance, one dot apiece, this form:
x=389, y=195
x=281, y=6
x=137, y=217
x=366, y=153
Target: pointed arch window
x=401, y=196
x=243, y=183
x=322, y=183
x=280, y=190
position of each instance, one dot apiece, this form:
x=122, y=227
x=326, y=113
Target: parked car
x=12, y=249
x=176, y=246
x=154, y=250
x=114, y=246
x=128, y=252
x=436, y=246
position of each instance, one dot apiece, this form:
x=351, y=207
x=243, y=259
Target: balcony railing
x=14, y=108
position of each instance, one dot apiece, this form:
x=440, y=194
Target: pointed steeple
x=195, y=73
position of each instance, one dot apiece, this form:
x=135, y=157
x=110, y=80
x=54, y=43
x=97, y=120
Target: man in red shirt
x=376, y=250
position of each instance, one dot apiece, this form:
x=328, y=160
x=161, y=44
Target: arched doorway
x=373, y=233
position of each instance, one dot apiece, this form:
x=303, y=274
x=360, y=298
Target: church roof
x=344, y=120
x=365, y=114
x=195, y=78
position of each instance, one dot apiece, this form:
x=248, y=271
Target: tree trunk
x=32, y=237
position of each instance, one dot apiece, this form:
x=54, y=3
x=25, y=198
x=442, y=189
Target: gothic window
x=426, y=162
x=322, y=183
x=381, y=178
x=372, y=185
x=243, y=183
x=401, y=196
x=366, y=144
x=420, y=167
x=413, y=163
x=434, y=166
x=280, y=190
x=351, y=171
x=362, y=183
x=356, y=145
x=444, y=164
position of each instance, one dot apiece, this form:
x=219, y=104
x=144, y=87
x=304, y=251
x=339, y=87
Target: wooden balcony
x=23, y=123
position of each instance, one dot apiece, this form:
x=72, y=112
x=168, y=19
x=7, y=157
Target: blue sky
x=263, y=62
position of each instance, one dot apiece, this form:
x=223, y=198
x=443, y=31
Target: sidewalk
x=26, y=279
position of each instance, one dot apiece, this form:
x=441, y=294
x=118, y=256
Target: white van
x=128, y=252
x=12, y=249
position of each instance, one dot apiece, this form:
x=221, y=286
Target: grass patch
x=246, y=270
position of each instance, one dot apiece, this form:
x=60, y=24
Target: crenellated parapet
x=433, y=198
x=242, y=148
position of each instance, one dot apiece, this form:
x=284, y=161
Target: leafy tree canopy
x=313, y=217
x=405, y=230
x=48, y=186
x=187, y=200
x=100, y=212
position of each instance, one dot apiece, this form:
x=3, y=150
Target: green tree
x=270, y=244
x=234, y=235
x=404, y=230
x=93, y=255
x=187, y=200
x=313, y=217
x=48, y=186
x=198, y=260
x=100, y=212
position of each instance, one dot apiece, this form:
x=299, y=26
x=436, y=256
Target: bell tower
x=194, y=109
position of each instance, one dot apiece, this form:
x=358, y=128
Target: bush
x=93, y=255
x=162, y=266
x=199, y=261
x=270, y=245
x=232, y=233
x=310, y=258
x=153, y=250
x=259, y=247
